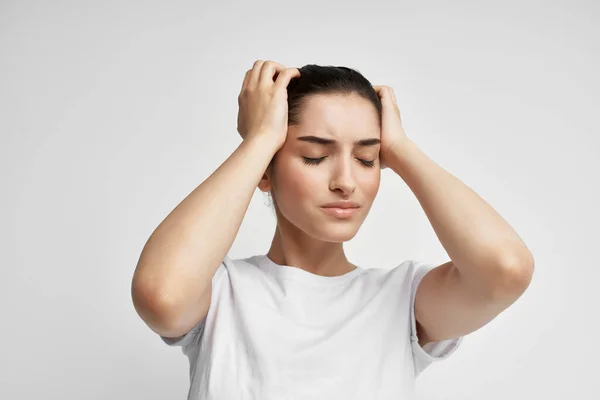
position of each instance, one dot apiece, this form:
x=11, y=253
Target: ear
x=265, y=183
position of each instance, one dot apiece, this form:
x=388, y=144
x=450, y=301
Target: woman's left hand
x=392, y=133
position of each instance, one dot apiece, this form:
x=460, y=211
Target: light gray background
x=111, y=112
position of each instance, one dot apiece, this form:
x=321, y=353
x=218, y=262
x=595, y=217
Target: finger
x=285, y=77
x=255, y=74
x=380, y=90
x=385, y=93
x=268, y=71
x=393, y=94
x=246, y=80
x=377, y=88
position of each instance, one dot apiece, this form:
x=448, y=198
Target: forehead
x=347, y=117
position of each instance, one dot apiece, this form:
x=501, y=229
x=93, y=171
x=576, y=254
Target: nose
x=343, y=177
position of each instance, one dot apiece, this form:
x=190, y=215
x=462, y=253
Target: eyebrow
x=332, y=142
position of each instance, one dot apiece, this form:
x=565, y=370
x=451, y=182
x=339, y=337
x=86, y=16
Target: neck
x=310, y=254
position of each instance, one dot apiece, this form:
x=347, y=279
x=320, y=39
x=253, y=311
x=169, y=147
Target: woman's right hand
x=263, y=106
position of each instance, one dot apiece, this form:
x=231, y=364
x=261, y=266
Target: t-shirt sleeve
x=195, y=334
x=433, y=351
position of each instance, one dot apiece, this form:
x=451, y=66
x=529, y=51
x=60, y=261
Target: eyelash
x=316, y=161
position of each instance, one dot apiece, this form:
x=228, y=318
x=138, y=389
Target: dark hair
x=316, y=79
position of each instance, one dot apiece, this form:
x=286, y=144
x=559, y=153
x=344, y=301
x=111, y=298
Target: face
x=309, y=174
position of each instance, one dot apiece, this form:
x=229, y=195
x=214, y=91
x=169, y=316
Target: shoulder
x=405, y=270
x=242, y=268
x=404, y=276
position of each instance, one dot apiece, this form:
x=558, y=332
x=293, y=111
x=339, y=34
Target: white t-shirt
x=276, y=332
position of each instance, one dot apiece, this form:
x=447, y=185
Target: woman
x=302, y=321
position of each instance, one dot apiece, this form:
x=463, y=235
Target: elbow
x=513, y=280
x=152, y=305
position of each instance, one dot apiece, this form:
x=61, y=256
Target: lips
x=341, y=204
x=339, y=212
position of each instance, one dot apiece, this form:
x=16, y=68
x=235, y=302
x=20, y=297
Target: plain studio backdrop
x=112, y=112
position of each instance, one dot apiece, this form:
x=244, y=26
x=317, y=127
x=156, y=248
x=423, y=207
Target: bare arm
x=171, y=287
x=172, y=283
x=490, y=266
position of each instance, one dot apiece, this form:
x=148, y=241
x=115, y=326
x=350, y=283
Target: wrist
x=264, y=141
x=261, y=146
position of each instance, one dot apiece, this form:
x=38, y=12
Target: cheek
x=370, y=185
x=299, y=183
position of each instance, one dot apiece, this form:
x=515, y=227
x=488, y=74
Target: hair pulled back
x=317, y=79
x=325, y=80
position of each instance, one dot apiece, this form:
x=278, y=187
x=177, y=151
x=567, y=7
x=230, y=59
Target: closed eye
x=316, y=161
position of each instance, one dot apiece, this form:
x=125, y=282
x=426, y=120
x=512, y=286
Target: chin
x=325, y=228
x=334, y=233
